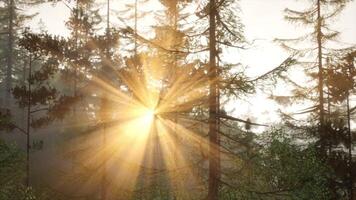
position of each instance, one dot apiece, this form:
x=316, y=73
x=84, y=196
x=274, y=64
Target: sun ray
x=178, y=168
x=145, y=131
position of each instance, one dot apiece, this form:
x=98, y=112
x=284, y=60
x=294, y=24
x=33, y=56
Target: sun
x=143, y=117
x=148, y=115
x=151, y=127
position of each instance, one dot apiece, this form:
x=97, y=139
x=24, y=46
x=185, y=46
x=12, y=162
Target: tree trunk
x=351, y=182
x=320, y=78
x=10, y=53
x=23, y=117
x=105, y=106
x=28, y=125
x=77, y=46
x=213, y=108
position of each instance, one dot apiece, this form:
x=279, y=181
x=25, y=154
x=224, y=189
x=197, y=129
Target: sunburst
x=147, y=131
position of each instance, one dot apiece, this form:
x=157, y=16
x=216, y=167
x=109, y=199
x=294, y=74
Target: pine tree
x=316, y=18
x=316, y=43
x=12, y=19
x=133, y=13
x=42, y=101
x=85, y=56
x=82, y=24
x=225, y=31
x=341, y=83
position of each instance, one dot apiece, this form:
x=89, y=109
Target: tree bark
x=213, y=188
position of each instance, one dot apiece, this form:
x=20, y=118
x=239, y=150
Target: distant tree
x=12, y=19
x=316, y=18
x=38, y=94
x=132, y=14
x=316, y=43
x=341, y=82
x=77, y=62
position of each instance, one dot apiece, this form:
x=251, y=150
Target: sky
x=263, y=21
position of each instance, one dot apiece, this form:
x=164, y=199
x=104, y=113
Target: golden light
x=149, y=115
x=149, y=131
x=142, y=118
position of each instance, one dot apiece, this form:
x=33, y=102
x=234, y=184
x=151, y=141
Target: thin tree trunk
x=351, y=182
x=328, y=102
x=213, y=188
x=104, y=105
x=75, y=76
x=10, y=53
x=76, y=45
x=328, y=97
x=320, y=77
x=23, y=118
x=28, y=125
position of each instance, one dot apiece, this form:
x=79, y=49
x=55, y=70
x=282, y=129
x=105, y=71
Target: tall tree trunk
x=351, y=182
x=328, y=91
x=10, y=53
x=76, y=45
x=105, y=104
x=213, y=188
x=28, y=125
x=328, y=101
x=320, y=77
x=24, y=69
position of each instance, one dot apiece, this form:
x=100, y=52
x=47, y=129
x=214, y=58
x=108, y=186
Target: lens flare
x=150, y=135
x=148, y=115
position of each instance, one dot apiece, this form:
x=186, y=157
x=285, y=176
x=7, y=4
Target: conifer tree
x=225, y=31
x=316, y=42
x=40, y=98
x=341, y=83
x=12, y=19
x=132, y=15
x=84, y=56
x=316, y=18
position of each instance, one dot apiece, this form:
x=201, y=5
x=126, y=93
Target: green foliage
x=12, y=175
x=16, y=192
x=11, y=164
x=281, y=168
x=5, y=120
x=293, y=168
